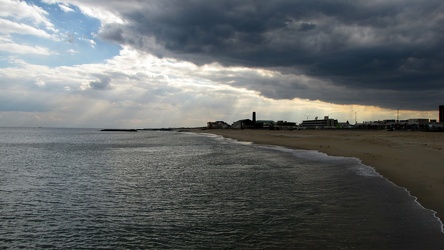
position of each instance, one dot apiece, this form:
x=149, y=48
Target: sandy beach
x=410, y=159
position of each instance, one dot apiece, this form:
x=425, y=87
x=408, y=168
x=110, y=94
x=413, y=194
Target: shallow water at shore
x=74, y=188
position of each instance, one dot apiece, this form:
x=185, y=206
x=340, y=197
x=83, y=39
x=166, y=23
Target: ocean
x=83, y=188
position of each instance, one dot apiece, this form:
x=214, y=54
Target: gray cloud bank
x=382, y=53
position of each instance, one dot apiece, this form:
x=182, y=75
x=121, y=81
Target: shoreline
x=413, y=160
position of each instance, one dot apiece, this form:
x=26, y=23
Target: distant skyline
x=165, y=63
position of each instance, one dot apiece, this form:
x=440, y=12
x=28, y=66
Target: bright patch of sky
x=50, y=34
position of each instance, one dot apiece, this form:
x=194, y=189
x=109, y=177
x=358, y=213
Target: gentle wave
x=180, y=190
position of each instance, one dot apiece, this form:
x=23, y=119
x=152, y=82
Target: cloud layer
x=81, y=63
x=383, y=53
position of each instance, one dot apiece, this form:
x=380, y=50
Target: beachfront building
x=243, y=124
x=419, y=121
x=392, y=124
x=320, y=124
x=251, y=124
x=217, y=125
x=435, y=126
x=411, y=124
x=344, y=125
x=376, y=124
x=264, y=124
x=441, y=113
x=285, y=125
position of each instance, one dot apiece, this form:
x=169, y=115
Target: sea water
x=82, y=188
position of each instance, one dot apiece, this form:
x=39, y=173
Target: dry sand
x=414, y=160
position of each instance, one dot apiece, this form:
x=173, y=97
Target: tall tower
x=441, y=113
x=254, y=117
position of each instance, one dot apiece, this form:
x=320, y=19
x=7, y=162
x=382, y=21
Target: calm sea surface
x=82, y=188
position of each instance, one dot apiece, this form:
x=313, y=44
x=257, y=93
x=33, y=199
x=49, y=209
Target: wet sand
x=413, y=159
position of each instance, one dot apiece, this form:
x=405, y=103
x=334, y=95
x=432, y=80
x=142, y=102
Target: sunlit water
x=82, y=188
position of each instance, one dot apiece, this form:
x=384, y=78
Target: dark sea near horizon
x=82, y=188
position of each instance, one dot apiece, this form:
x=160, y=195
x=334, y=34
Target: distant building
x=435, y=126
x=320, y=124
x=285, y=125
x=343, y=125
x=441, y=113
x=420, y=121
x=217, y=125
x=390, y=121
x=243, y=124
x=264, y=124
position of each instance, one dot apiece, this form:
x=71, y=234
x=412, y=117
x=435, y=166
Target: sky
x=182, y=63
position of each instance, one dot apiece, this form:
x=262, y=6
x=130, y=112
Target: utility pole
x=397, y=114
x=355, y=116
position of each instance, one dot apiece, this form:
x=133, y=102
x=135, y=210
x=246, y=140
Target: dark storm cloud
x=371, y=49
